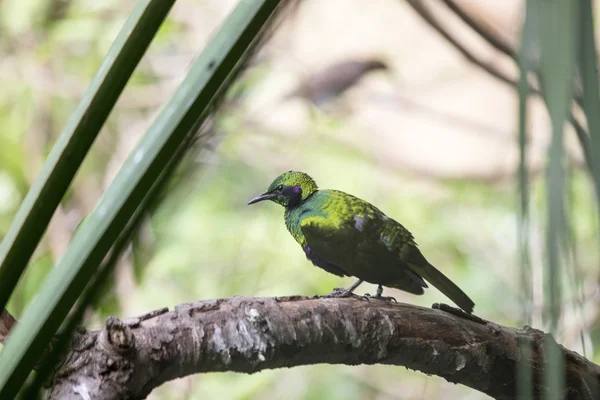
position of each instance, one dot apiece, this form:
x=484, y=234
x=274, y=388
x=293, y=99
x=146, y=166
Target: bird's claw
x=338, y=293
x=380, y=297
x=363, y=297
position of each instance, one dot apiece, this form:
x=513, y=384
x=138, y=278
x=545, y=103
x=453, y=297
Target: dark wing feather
x=332, y=246
x=354, y=245
x=321, y=263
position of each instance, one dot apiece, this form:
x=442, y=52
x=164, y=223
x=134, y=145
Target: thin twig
x=496, y=41
x=491, y=37
x=425, y=13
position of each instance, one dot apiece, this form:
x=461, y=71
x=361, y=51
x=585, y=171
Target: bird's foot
x=378, y=295
x=384, y=298
x=342, y=293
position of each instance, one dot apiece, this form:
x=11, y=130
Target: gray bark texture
x=128, y=359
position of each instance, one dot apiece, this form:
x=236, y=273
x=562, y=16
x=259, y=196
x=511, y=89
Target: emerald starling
x=347, y=236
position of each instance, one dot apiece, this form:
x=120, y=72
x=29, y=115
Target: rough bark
x=128, y=359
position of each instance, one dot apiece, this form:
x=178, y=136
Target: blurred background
x=365, y=96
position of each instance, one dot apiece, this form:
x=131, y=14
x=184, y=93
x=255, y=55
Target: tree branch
x=128, y=359
x=486, y=33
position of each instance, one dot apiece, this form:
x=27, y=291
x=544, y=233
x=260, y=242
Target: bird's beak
x=264, y=196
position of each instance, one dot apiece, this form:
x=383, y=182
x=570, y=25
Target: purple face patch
x=294, y=194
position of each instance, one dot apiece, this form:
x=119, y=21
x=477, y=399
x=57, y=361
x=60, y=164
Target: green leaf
x=588, y=72
x=556, y=68
x=526, y=66
x=526, y=63
x=191, y=101
x=556, y=35
x=66, y=156
x=101, y=279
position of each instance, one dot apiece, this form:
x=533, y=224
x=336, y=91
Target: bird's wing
x=362, y=241
x=329, y=241
x=325, y=245
x=348, y=225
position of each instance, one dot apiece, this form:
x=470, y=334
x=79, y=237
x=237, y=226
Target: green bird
x=347, y=236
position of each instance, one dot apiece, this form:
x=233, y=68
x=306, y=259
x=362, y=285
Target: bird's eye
x=279, y=188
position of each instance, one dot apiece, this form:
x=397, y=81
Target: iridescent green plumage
x=347, y=236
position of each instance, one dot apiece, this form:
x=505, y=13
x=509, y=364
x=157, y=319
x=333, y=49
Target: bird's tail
x=432, y=275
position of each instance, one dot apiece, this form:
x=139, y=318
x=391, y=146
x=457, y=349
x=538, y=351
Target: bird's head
x=288, y=189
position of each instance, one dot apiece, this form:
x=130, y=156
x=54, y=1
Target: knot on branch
x=116, y=337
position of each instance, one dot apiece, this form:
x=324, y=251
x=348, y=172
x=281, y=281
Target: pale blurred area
x=431, y=140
